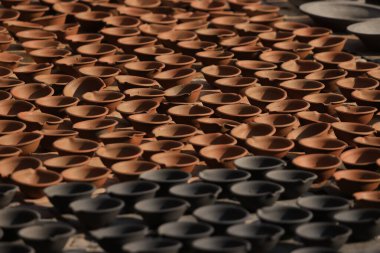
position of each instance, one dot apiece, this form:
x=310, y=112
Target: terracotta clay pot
x=367, y=141
x=348, y=85
x=358, y=114
x=8, y=152
x=328, y=77
x=70, y=65
x=14, y=164
x=310, y=130
x=331, y=60
x=92, y=21
x=238, y=41
x=360, y=158
x=160, y=146
x=290, y=106
x=222, y=155
x=131, y=170
x=5, y=41
x=298, y=88
x=91, y=129
x=80, y=86
x=278, y=57
x=289, y=26
x=63, y=30
x=182, y=114
x=126, y=82
x=87, y=174
x=310, y=33
x=238, y=112
x=228, y=22
x=11, y=126
x=356, y=69
x=9, y=60
x=158, y=18
x=15, y=26
x=117, y=60
x=108, y=99
x=301, y=67
x=204, y=140
x=31, y=92
x=60, y=163
x=128, y=44
x=174, y=77
x=33, y=182
x=269, y=145
x=175, y=160
x=212, y=125
x=184, y=93
x=251, y=29
x=28, y=72
x=214, y=57
x=247, y=130
x=86, y=112
x=249, y=52
x=273, y=77
x=266, y=19
x=347, y=131
x=193, y=47
x=118, y=152
x=50, y=136
x=219, y=99
x=75, y=146
x=299, y=48
x=191, y=16
x=351, y=181
x=179, y=132
x=171, y=38
x=10, y=108
x=283, y=123
x=270, y=38
x=70, y=8
x=137, y=106
x=261, y=96
x=57, y=81
x=8, y=83
x=56, y=105
x=213, y=72
x=209, y=6
x=35, y=120
x=97, y=50
x=214, y=34
x=324, y=102
x=144, y=93
x=154, y=29
x=366, y=97
x=235, y=84
x=174, y=61
x=35, y=34
x=322, y=145
x=122, y=21
x=149, y=53
x=28, y=142
x=367, y=199
x=77, y=40
x=328, y=43
x=144, y=68
x=48, y=55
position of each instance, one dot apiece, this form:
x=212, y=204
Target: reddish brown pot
x=31, y=92
x=28, y=72
x=126, y=82
x=28, y=142
x=92, y=21
x=160, y=146
x=308, y=117
x=228, y=22
x=131, y=170
x=122, y=21
x=213, y=72
x=249, y=52
x=63, y=30
x=283, y=123
x=13, y=164
x=269, y=145
x=48, y=20
x=70, y=64
x=368, y=141
x=299, y=48
x=86, y=112
x=358, y=114
x=154, y=29
x=367, y=199
x=361, y=158
x=15, y=26
x=191, y=16
x=9, y=60
x=147, y=122
x=235, y=84
x=8, y=83
x=348, y=85
x=267, y=19
x=56, y=81
x=60, y=163
x=35, y=120
x=260, y=9
x=159, y=19
x=35, y=34
x=222, y=156
x=347, y=131
x=171, y=38
x=118, y=60
x=30, y=11
x=251, y=29
x=188, y=113
x=214, y=57
x=208, y=6
x=218, y=99
x=310, y=130
x=149, y=53
x=250, y=67
x=75, y=146
x=87, y=174
x=5, y=72
x=176, y=132
x=137, y=106
x=145, y=93
x=11, y=126
x=322, y=145
x=50, y=136
x=298, y=88
x=118, y=152
x=97, y=50
x=80, y=86
x=238, y=41
x=70, y=8
x=289, y=26
x=107, y=74
x=247, y=130
x=328, y=43
x=192, y=25
x=112, y=34
x=270, y=38
x=193, y=47
x=367, y=97
x=204, y=140
x=290, y=106
x=174, y=61
x=48, y=55
x=56, y=105
x=237, y=5
x=238, y=112
x=331, y=60
x=144, y=68
x=301, y=67
x=33, y=182
x=175, y=160
x=274, y=77
x=214, y=34
x=261, y=96
x=5, y=41
x=323, y=165
x=91, y=129
x=128, y=44
x=356, y=69
x=106, y=98
x=278, y=57
x=324, y=102
x=132, y=11
x=328, y=77
x=174, y=77
x=212, y=125
x=4, y=95
x=122, y=136
x=351, y=181
x=8, y=152
x=10, y=108
x=77, y=40
x=186, y=93
x=309, y=33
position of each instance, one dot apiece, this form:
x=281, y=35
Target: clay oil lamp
x=144, y=68
x=137, y=106
x=250, y=67
x=193, y=47
x=174, y=77
x=171, y=38
x=328, y=43
x=347, y=131
x=97, y=50
x=310, y=130
x=9, y=15
x=109, y=99
x=175, y=160
x=258, y=166
x=10, y=108
x=30, y=11
x=129, y=44
x=10, y=60
x=204, y=140
x=273, y=77
x=51, y=135
x=238, y=41
x=176, y=132
x=322, y=145
x=235, y=84
x=4, y=95
x=310, y=33
x=26, y=141
x=367, y=199
x=208, y=6
x=283, y=123
x=251, y=29
x=91, y=129
x=375, y=74
x=218, y=243
x=368, y=141
x=158, y=243
x=249, y=52
x=308, y=117
x=126, y=82
x=261, y=96
x=35, y=34
x=238, y=112
x=15, y=26
x=366, y=97
x=348, y=85
x=132, y=11
x=214, y=57
x=35, y=120
x=228, y=22
x=192, y=25
x=118, y=152
x=92, y=21
x=8, y=83
x=212, y=125
x=158, y=19
x=96, y=176
x=48, y=55
x=219, y=99
x=112, y=34
x=301, y=67
x=266, y=19
x=107, y=74
x=175, y=61
x=214, y=34
x=11, y=126
x=247, y=130
x=56, y=105
x=358, y=68
x=376, y=126
x=80, y=86
x=5, y=41
x=299, y=48
x=213, y=72
x=7, y=152
x=16, y=163
x=360, y=158
x=331, y=60
x=270, y=38
x=260, y=9
x=323, y=165
x=182, y=114
x=70, y=8
x=60, y=163
x=328, y=77
x=288, y=106
x=86, y=112
x=32, y=182
x=324, y=102
x=144, y=93
x=222, y=156
x=191, y=16
x=57, y=81
x=131, y=170
x=28, y=72
x=63, y=30
x=75, y=146
x=238, y=5
x=122, y=21
x=149, y=53
x=278, y=56
x=70, y=64
x=154, y=147
x=81, y=39
x=184, y=93
x=146, y=122
x=298, y=88
x=117, y=60
x=269, y=146
x=154, y=29
x=353, y=180
x=289, y=26
x=358, y=114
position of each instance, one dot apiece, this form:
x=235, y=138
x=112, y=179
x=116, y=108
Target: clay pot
x=191, y=16
x=84, y=39
x=28, y=142
x=250, y=67
x=249, y=52
x=159, y=19
x=269, y=146
x=105, y=209
x=182, y=114
x=75, y=146
x=219, y=99
x=367, y=141
x=13, y=220
x=290, y=106
x=9, y=60
x=49, y=236
x=48, y=55
x=217, y=243
x=144, y=68
x=323, y=207
x=154, y=147
x=367, y=199
x=71, y=64
x=222, y=155
x=118, y=60
x=5, y=41
x=175, y=160
x=154, y=29
x=171, y=38
x=180, y=132
x=56, y=105
x=174, y=77
x=295, y=182
x=310, y=130
x=31, y=92
x=148, y=244
x=35, y=120
x=9, y=14
x=322, y=145
x=238, y=41
x=308, y=117
x=208, y=6
x=328, y=77
x=213, y=72
x=358, y=114
x=301, y=67
x=278, y=57
x=35, y=34
x=324, y=102
x=8, y=192
x=97, y=50
x=351, y=181
x=215, y=215
x=184, y=93
x=228, y=22
x=347, y=131
x=33, y=182
x=10, y=108
x=299, y=88
x=4, y=72
x=70, y=8
x=128, y=44
x=266, y=19
x=60, y=163
x=86, y=112
x=7, y=152
x=126, y=82
x=361, y=221
x=192, y=25
x=332, y=59
x=238, y=112
x=137, y=106
x=62, y=30
x=117, y=152
x=96, y=176
x=92, y=21
x=360, y=158
x=299, y=48
x=8, y=83
x=91, y=129
x=108, y=99
x=283, y=123
x=247, y=130
x=57, y=81
x=214, y=57
x=193, y=47
x=289, y=26
x=348, y=85
x=235, y=84
x=214, y=34
x=200, y=141
x=15, y=26
x=149, y=53
x=11, y=126
x=13, y=164
x=131, y=170
x=28, y=72
x=145, y=93
x=50, y=136
x=122, y=21
x=174, y=61
x=357, y=69
x=270, y=38
x=310, y=33
x=273, y=77
x=125, y=136
x=366, y=97
x=251, y=29
x=212, y=125
x=328, y=43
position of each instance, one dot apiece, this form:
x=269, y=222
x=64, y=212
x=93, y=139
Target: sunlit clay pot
x=261, y=96
x=247, y=130
x=269, y=145
x=222, y=156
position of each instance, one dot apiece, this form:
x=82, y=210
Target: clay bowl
x=212, y=125
x=50, y=236
x=35, y=44
x=238, y=41
x=5, y=41
x=118, y=152
x=322, y=145
x=347, y=131
x=333, y=59
x=301, y=67
x=289, y=26
x=28, y=72
x=193, y=47
x=360, y=158
x=92, y=21
x=308, y=117
x=31, y=92
x=219, y=99
x=278, y=56
x=235, y=84
x=348, y=85
x=144, y=68
x=267, y=19
x=367, y=199
x=16, y=163
x=184, y=93
x=57, y=81
x=171, y=38
x=174, y=77
x=8, y=192
x=104, y=208
x=97, y=50
x=122, y=21
x=144, y=93
x=9, y=60
x=131, y=170
x=70, y=64
x=27, y=142
x=8, y=83
x=324, y=102
x=323, y=207
x=249, y=52
x=117, y=60
x=7, y=152
x=328, y=43
x=62, y=30
x=214, y=34
x=107, y=74
x=125, y=136
x=35, y=34
x=366, y=97
x=208, y=6
x=78, y=87
x=75, y=146
x=108, y=99
x=374, y=74
x=251, y=29
x=48, y=55
x=310, y=33
x=4, y=72
x=137, y=106
x=214, y=57
x=51, y=135
x=356, y=69
x=288, y=106
x=299, y=48
x=91, y=129
x=247, y=130
x=126, y=82
x=357, y=114
x=328, y=77
x=274, y=77
x=221, y=243
x=323, y=165
x=11, y=126
x=261, y=96
x=15, y=26
x=83, y=39
x=189, y=113
x=353, y=180
x=270, y=38
x=86, y=112
x=70, y=8
x=96, y=176
x=310, y=130
x=159, y=19
x=228, y=22
x=149, y=53
x=129, y=44
x=35, y=120
x=33, y=182
x=10, y=108
x=176, y=132
x=250, y=67
x=175, y=160
x=238, y=112
x=200, y=141
x=213, y=72
x=148, y=244
x=174, y=61
x=60, y=163
x=361, y=221
x=56, y=105
x=298, y=88
x=154, y=29
x=256, y=194
x=216, y=215
x=367, y=141
x=13, y=220
x=269, y=146
x=258, y=166
x=217, y=156
x=191, y=16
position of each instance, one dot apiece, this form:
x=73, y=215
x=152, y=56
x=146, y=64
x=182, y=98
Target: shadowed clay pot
x=258, y=166
x=348, y=85
x=204, y=140
x=122, y=21
x=193, y=47
x=82, y=39
x=238, y=41
x=333, y=59
x=14, y=164
x=118, y=152
x=175, y=160
x=367, y=141
x=358, y=114
x=35, y=120
x=57, y=81
x=228, y=22
x=97, y=50
x=249, y=52
x=284, y=123
x=353, y=180
x=367, y=97
x=278, y=56
x=219, y=99
x=56, y=105
x=7, y=152
x=128, y=44
x=146, y=122
x=159, y=19
x=247, y=130
x=31, y=92
x=356, y=69
x=322, y=145
x=131, y=170
x=328, y=43
x=15, y=26
x=182, y=114
x=5, y=41
x=274, y=77
x=28, y=142
x=187, y=93
x=62, y=30
x=347, y=131
x=11, y=126
x=298, y=88
x=149, y=53
x=360, y=158
x=138, y=106
x=288, y=106
x=221, y=243
x=289, y=25
x=96, y=176
x=310, y=33
x=70, y=64
x=171, y=38
x=91, y=129
x=238, y=112
x=323, y=165
x=174, y=61
x=214, y=34
x=212, y=125
x=156, y=244
x=86, y=112
x=92, y=21
x=301, y=67
x=269, y=145
x=108, y=99
x=107, y=74
x=266, y=19
x=159, y=146
x=261, y=96
x=117, y=60
x=80, y=86
x=174, y=77
x=36, y=44
x=125, y=136
x=51, y=135
x=75, y=146
x=310, y=130
x=308, y=117
x=48, y=55
x=214, y=57
x=328, y=77
x=126, y=82
x=154, y=29
x=144, y=68
x=8, y=83
x=179, y=132
x=35, y=34
x=251, y=29
x=33, y=182
x=367, y=199
x=270, y=38
x=28, y=72
x=10, y=108
x=9, y=60
x=324, y=102
x=222, y=155
x=235, y=84
x=8, y=192
x=60, y=163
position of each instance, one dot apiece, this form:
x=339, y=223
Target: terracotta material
x=289, y=26
x=213, y=72
x=333, y=59
x=174, y=77
x=193, y=47
x=125, y=136
x=175, y=61
x=179, y=132
x=358, y=114
x=60, y=163
x=175, y=160
x=35, y=120
x=86, y=112
x=57, y=81
x=122, y=21
x=118, y=152
x=108, y=99
x=351, y=181
x=15, y=26
x=283, y=123
x=310, y=33
x=238, y=41
x=5, y=95
x=10, y=108
x=273, y=77
x=212, y=125
x=80, y=86
x=278, y=57
x=222, y=155
x=56, y=105
x=91, y=129
x=348, y=85
x=62, y=30
x=137, y=106
x=375, y=74
x=154, y=29
x=235, y=84
x=308, y=117
x=131, y=170
x=209, y=6
x=77, y=40
x=97, y=50
x=310, y=130
x=28, y=72
x=214, y=34
x=118, y=60
x=299, y=88
x=200, y=141
x=328, y=77
x=251, y=29
x=128, y=44
x=301, y=67
x=214, y=57
x=35, y=34
x=328, y=43
x=360, y=158
x=159, y=146
x=171, y=38
x=367, y=199
x=9, y=60
x=267, y=19
x=11, y=126
x=270, y=38
x=70, y=64
x=8, y=83
x=75, y=146
x=291, y=106
x=50, y=136
x=126, y=82
x=5, y=41
x=250, y=67
x=347, y=131
x=324, y=102
x=184, y=93
x=249, y=52
x=219, y=99
x=149, y=53
x=8, y=192
x=188, y=113
x=87, y=174
x=145, y=93
x=33, y=182
x=247, y=130
x=261, y=96
x=269, y=145
x=191, y=16
x=31, y=92
x=48, y=55
x=28, y=142
x=299, y=48
x=7, y=152
x=70, y=8
x=238, y=112
x=144, y=68
x=366, y=97
x=367, y=141
x=14, y=164
x=228, y=22
x=322, y=145
x=358, y=68
x=92, y=20
x=158, y=18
